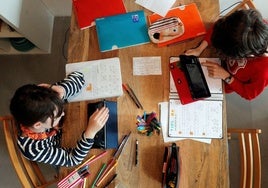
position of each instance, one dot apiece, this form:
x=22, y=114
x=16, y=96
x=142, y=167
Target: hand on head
x=59, y=89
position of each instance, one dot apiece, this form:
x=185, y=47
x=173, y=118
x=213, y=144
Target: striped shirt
x=49, y=150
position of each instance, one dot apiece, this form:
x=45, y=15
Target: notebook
x=190, y=17
x=102, y=79
x=87, y=11
x=107, y=137
x=121, y=31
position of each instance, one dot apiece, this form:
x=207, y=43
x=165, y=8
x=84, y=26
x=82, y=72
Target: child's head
x=241, y=34
x=32, y=103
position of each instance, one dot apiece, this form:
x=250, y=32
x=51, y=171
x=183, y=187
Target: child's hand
x=198, y=50
x=215, y=70
x=96, y=121
x=59, y=89
x=194, y=51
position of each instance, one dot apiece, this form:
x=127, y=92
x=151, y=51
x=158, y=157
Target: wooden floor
x=21, y=69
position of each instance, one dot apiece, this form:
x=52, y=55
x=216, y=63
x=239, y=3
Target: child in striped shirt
x=38, y=110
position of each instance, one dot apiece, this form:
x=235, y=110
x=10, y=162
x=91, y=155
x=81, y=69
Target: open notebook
x=102, y=78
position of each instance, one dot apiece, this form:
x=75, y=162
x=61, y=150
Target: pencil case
x=171, y=167
x=165, y=29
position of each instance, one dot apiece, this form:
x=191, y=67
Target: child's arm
x=198, y=50
x=72, y=84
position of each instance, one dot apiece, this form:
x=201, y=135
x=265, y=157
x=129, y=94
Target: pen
x=136, y=159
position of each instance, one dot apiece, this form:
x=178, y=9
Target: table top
x=202, y=165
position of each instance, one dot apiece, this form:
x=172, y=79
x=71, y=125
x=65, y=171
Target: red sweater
x=250, y=75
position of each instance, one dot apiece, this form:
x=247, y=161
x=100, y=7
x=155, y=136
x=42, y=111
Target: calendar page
x=102, y=79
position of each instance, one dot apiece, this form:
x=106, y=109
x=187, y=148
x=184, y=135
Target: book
x=107, y=137
x=179, y=88
x=122, y=30
x=191, y=20
x=87, y=11
x=102, y=79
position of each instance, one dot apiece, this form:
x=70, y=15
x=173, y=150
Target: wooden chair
x=250, y=155
x=245, y=4
x=28, y=172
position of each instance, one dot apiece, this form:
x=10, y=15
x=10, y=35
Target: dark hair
x=32, y=103
x=241, y=34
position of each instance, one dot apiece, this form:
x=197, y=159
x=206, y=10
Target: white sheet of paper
x=160, y=7
x=147, y=65
x=163, y=106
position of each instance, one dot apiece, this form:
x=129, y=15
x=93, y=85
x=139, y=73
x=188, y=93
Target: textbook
x=107, y=137
x=189, y=18
x=102, y=79
x=122, y=30
x=87, y=11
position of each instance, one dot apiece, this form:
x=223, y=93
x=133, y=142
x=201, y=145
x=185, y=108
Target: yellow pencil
x=106, y=174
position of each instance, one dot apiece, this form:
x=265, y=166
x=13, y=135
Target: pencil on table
x=132, y=95
x=105, y=174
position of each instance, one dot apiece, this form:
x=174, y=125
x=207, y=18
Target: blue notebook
x=122, y=30
x=107, y=137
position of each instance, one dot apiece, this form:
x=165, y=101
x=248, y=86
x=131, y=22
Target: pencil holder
x=147, y=124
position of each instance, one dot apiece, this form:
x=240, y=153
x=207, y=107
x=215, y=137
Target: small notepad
x=102, y=79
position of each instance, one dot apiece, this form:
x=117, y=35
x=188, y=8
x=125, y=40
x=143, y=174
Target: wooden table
x=203, y=165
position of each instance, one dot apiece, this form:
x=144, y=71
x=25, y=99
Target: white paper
x=147, y=65
x=160, y=7
x=200, y=119
x=163, y=106
x=102, y=78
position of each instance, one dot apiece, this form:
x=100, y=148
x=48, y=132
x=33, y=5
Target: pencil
x=107, y=173
x=134, y=96
x=130, y=95
x=99, y=174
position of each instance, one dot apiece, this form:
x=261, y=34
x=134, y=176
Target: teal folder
x=122, y=30
x=107, y=137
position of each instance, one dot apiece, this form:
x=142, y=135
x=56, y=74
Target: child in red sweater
x=241, y=39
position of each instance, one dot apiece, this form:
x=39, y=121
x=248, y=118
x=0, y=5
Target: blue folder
x=107, y=137
x=122, y=30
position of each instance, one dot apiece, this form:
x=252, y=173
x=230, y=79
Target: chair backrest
x=250, y=155
x=245, y=4
x=28, y=172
